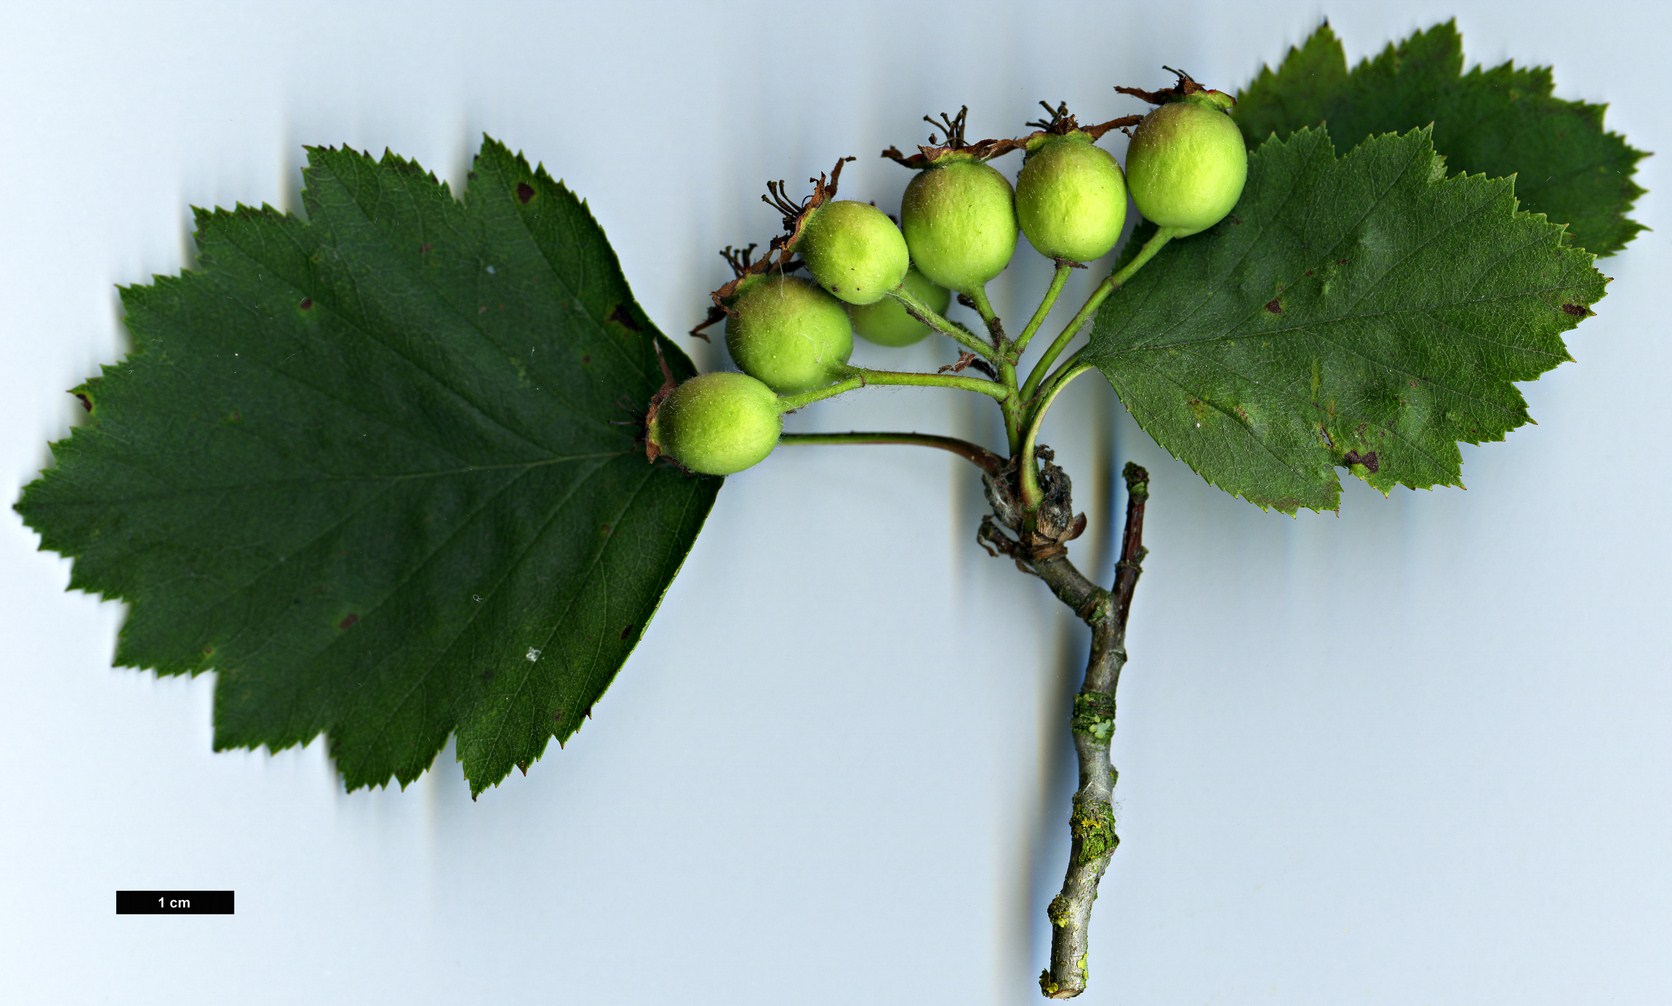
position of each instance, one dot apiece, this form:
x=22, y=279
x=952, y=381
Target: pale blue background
x=1414, y=753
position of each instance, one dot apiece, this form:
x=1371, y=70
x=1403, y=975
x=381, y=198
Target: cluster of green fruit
x=959, y=223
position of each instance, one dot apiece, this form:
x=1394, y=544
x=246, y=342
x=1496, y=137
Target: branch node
x=1042, y=533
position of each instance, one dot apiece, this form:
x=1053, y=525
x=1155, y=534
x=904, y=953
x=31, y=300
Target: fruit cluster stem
x=1092, y=818
x=854, y=378
x=1012, y=406
x=979, y=385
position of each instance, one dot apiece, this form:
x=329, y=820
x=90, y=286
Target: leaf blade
x=360, y=465
x=1362, y=312
x=1499, y=121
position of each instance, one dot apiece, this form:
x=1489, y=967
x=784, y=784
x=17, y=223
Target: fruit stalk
x=1058, y=280
x=929, y=316
x=1156, y=242
x=1092, y=820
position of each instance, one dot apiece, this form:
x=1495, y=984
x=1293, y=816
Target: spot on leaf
x=621, y=316
x=1368, y=459
x=348, y=620
x=525, y=192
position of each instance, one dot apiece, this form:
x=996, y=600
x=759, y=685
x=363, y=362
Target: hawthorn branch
x=1092, y=820
x=1033, y=529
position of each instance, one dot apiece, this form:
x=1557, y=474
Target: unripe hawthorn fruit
x=717, y=424
x=1070, y=198
x=853, y=250
x=788, y=333
x=959, y=216
x=887, y=322
x=1186, y=165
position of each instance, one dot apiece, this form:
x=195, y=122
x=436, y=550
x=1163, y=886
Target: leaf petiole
x=1028, y=470
x=977, y=455
x=1157, y=242
x=1066, y=370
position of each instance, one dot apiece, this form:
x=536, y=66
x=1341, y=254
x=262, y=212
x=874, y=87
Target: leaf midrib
x=189, y=492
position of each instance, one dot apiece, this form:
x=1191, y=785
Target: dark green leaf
x=1499, y=122
x=378, y=469
x=1363, y=312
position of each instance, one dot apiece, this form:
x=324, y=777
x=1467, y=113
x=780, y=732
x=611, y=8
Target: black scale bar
x=173, y=902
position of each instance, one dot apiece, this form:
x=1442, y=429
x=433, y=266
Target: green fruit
x=853, y=250
x=788, y=333
x=959, y=216
x=1186, y=165
x=886, y=322
x=717, y=424
x=1071, y=198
